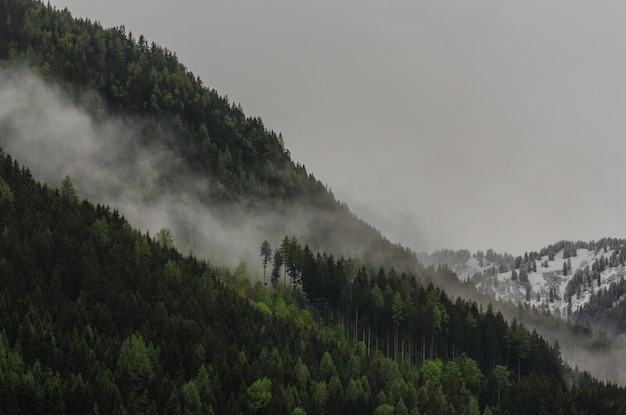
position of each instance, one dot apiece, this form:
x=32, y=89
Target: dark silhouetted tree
x=266, y=254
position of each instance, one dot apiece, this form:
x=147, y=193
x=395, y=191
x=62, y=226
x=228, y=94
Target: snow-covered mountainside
x=577, y=281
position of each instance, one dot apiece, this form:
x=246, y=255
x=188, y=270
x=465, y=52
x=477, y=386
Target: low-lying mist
x=113, y=162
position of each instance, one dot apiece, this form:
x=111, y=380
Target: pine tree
x=266, y=253
x=68, y=190
x=278, y=262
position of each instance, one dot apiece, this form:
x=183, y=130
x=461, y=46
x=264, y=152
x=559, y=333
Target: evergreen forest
x=99, y=317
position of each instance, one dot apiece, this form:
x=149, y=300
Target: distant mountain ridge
x=582, y=282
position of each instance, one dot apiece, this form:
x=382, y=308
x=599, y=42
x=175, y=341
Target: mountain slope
x=231, y=166
x=96, y=317
x=576, y=281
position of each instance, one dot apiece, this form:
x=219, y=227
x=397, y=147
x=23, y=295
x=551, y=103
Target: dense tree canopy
x=97, y=317
x=95, y=314
x=112, y=72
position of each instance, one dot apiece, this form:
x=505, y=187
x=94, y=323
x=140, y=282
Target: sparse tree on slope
x=278, y=262
x=67, y=189
x=164, y=238
x=266, y=253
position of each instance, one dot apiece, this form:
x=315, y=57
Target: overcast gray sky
x=482, y=124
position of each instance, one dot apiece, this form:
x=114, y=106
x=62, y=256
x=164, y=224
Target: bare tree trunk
x=376, y=330
x=369, y=339
x=388, y=342
x=395, y=345
x=498, y=394
x=356, y=325
x=432, y=344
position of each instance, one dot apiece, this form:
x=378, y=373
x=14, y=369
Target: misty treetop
x=133, y=76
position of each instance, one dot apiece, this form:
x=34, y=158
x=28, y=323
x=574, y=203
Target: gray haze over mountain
x=473, y=125
x=119, y=162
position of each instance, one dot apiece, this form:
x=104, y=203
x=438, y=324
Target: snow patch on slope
x=546, y=287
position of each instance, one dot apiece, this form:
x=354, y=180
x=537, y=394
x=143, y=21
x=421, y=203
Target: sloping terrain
x=96, y=316
x=579, y=282
x=131, y=113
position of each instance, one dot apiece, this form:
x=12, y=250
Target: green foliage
x=242, y=274
x=101, y=230
x=165, y=238
x=108, y=71
x=327, y=367
x=192, y=403
x=263, y=307
x=6, y=195
x=502, y=377
x=280, y=308
x=259, y=394
x=278, y=262
x=266, y=254
x=68, y=190
x=186, y=342
x=384, y=409
x=473, y=408
x=319, y=397
x=519, y=342
x=97, y=317
x=397, y=309
x=432, y=371
x=172, y=271
x=451, y=373
x=142, y=249
x=134, y=369
x=472, y=376
x=401, y=408
x=436, y=401
x=302, y=374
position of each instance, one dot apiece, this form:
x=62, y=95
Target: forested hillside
x=113, y=73
x=98, y=317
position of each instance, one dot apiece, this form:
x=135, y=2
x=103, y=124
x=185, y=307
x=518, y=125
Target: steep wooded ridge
x=96, y=317
x=110, y=72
